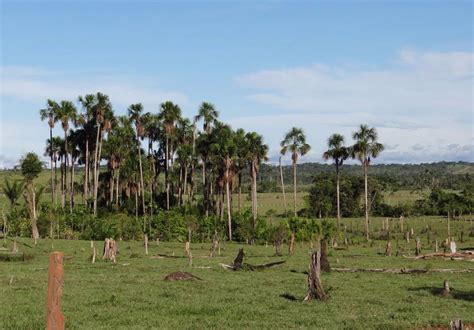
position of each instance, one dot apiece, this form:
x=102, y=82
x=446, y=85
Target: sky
x=404, y=67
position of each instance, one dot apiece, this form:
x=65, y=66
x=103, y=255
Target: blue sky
x=405, y=67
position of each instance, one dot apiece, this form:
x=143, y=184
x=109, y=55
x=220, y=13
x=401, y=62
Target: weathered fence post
x=54, y=318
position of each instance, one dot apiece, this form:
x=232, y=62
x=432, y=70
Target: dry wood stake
x=418, y=247
x=388, y=249
x=54, y=318
x=146, y=244
x=446, y=290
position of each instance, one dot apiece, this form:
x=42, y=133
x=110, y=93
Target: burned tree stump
x=215, y=245
x=54, y=318
x=452, y=246
x=110, y=249
x=325, y=267
x=446, y=291
x=388, y=249
x=315, y=288
x=239, y=260
x=418, y=247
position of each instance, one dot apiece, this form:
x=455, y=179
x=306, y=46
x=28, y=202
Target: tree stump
x=239, y=260
x=446, y=290
x=452, y=246
x=215, y=245
x=325, y=267
x=15, y=247
x=418, y=247
x=388, y=249
x=291, y=245
x=407, y=236
x=110, y=250
x=436, y=245
x=456, y=324
x=315, y=288
x=54, y=318
x=93, y=254
x=186, y=248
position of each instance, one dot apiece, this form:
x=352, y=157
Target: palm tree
x=256, y=154
x=208, y=113
x=48, y=113
x=12, y=191
x=65, y=112
x=135, y=112
x=295, y=142
x=365, y=148
x=87, y=102
x=103, y=115
x=225, y=151
x=169, y=115
x=337, y=152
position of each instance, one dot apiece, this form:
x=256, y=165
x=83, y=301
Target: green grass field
x=132, y=293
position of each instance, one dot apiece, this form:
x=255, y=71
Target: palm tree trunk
x=338, y=199
x=229, y=216
x=283, y=187
x=117, y=189
x=366, y=204
x=240, y=193
x=63, y=202
x=66, y=164
x=51, y=158
x=141, y=176
x=167, y=176
x=111, y=187
x=86, y=174
x=96, y=170
x=294, y=187
x=204, y=190
x=185, y=185
x=72, y=184
x=55, y=179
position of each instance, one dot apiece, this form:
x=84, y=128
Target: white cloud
x=36, y=84
x=422, y=106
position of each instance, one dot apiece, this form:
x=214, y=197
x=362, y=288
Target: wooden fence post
x=54, y=318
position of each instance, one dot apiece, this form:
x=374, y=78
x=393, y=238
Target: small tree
x=31, y=167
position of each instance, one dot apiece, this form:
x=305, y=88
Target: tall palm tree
x=48, y=113
x=65, y=112
x=103, y=115
x=87, y=102
x=365, y=148
x=208, y=114
x=169, y=115
x=338, y=153
x=257, y=152
x=295, y=143
x=135, y=112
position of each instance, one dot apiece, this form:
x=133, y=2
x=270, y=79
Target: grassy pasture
x=132, y=293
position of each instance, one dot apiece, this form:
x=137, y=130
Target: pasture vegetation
x=132, y=293
x=193, y=185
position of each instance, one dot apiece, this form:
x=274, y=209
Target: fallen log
x=466, y=255
x=181, y=276
x=401, y=270
x=239, y=263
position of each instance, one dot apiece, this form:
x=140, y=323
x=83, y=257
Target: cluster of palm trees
x=165, y=174
x=176, y=149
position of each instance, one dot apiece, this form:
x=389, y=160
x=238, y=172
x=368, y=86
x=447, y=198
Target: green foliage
x=31, y=166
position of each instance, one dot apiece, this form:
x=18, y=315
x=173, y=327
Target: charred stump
x=239, y=260
x=315, y=288
x=325, y=267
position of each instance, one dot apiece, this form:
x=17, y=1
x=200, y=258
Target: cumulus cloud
x=422, y=104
